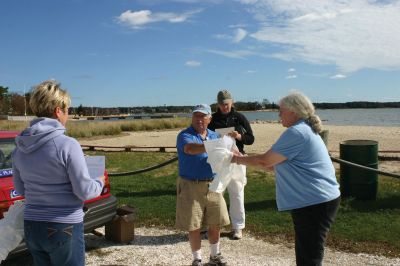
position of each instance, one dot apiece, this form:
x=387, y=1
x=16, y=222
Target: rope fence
x=145, y=169
x=337, y=160
x=128, y=148
x=163, y=149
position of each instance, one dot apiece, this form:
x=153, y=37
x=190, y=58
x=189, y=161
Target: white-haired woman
x=306, y=184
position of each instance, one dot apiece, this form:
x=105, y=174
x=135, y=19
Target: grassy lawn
x=361, y=226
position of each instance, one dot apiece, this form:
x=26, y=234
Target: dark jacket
x=236, y=120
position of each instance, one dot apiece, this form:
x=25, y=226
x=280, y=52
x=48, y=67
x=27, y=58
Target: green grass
x=361, y=226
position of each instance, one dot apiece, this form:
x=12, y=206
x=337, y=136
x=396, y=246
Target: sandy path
x=267, y=133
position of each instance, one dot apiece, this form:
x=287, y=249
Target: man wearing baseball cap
x=196, y=205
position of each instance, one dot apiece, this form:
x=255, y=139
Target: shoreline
x=266, y=133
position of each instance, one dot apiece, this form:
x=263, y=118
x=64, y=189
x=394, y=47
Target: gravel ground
x=154, y=246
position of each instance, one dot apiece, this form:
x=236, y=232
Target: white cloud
x=239, y=54
x=239, y=25
x=250, y=71
x=338, y=76
x=350, y=34
x=196, y=1
x=291, y=70
x=240, y=34
x=291, y=77
x=192, y=63
x=137, y=19
x=248, y=1
x=223, y=36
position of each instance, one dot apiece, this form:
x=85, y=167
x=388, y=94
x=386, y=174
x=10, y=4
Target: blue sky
x=182, y=52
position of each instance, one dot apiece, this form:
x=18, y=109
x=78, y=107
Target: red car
x=98, y=211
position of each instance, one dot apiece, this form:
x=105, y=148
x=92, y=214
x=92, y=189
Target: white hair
x=302, y=106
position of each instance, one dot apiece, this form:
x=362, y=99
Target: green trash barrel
x=356, y=182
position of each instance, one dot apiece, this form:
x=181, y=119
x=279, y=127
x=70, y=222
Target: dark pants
x=57, y=244
x=311, y=226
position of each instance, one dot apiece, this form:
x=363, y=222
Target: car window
x=6, y=148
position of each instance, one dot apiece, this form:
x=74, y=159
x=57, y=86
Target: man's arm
x=266, y=160
x=194, y=148
x=247, y=136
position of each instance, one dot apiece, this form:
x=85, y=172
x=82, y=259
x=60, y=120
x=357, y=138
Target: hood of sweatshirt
x=40, y=131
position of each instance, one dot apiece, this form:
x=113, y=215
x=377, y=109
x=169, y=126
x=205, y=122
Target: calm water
x=365, y=117
x=361, y=117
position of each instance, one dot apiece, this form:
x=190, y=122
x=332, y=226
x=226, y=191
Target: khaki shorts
x=197, y=206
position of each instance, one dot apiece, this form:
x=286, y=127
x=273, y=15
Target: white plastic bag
x=219, y=157
x=11, y=229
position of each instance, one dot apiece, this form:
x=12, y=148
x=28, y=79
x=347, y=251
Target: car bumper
x=97, y=214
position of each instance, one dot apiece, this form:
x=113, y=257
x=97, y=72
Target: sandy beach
x=267, y=133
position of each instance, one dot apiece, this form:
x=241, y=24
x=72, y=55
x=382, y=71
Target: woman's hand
x=235, y=155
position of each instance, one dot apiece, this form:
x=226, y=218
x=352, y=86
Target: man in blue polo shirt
x=195, y=203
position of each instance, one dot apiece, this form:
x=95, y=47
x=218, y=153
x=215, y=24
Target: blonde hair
x=46, y=97
x=302, y=106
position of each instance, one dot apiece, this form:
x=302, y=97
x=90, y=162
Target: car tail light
x=106, y=188
x=4, y=205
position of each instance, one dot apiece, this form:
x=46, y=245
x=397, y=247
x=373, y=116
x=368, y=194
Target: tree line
x=12, y=103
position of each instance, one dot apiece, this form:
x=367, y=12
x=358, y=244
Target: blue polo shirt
x=193, y=167
x=307, y=177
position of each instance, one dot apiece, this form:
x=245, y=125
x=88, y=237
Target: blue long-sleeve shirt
x=49, y=169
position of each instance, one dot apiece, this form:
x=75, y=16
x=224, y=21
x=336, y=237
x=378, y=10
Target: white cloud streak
x=250, y=71
x=350, y=34
x=291, y=77
x=137, y=19
x=193, y=63
x=338, y=76
x=238, y=54
x=240, y=34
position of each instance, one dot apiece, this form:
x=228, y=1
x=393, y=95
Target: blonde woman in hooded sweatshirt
x=50, y=171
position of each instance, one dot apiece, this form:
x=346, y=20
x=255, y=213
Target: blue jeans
x=55, y=243
x=311, y=226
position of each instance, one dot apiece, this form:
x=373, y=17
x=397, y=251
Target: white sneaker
x=237, y=234
x=217, y=260
x=197, y=262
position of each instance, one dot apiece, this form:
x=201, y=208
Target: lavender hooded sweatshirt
x=49, y=169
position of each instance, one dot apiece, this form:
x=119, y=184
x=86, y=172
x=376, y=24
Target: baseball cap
x=224, y=96
x=202, y=108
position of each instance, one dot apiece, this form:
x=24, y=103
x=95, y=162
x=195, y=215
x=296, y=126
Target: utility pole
x=25, y=101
